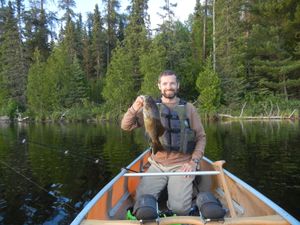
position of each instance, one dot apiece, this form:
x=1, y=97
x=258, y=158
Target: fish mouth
x=144, y=97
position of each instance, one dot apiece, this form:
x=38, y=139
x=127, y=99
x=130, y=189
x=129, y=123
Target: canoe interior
x=120, y=196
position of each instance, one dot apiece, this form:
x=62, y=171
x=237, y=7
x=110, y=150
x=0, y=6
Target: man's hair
x=168, y=73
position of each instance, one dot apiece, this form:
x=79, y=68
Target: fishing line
x=37, y=185
x=66, y=152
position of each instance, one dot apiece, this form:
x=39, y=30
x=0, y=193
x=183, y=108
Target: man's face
x=168, y=86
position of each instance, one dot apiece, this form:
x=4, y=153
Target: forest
x=232, y=57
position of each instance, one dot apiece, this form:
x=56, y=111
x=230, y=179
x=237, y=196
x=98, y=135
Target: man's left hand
x=188, y=167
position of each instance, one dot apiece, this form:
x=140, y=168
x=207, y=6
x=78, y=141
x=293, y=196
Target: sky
x=182, y=11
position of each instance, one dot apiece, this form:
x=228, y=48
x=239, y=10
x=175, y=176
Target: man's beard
x=169, y=96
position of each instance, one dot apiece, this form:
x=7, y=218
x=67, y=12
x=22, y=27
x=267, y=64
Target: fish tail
x=156, y=146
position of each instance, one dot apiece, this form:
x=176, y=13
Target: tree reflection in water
x=50, y=171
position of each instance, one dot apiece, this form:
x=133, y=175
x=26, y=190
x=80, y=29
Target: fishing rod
x=37, y=185
x=65, y=152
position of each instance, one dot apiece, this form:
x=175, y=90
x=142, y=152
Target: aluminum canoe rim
x=81, y=216
x=267, y=201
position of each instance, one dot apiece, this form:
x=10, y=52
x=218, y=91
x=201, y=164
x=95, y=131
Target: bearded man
x=183, y=144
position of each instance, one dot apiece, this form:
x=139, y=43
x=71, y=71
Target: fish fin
x=156, y=146
x=160, y=129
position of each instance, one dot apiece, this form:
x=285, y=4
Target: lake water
x=48, y=172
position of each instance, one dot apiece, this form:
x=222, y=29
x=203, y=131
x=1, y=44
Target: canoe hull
x=246, y=205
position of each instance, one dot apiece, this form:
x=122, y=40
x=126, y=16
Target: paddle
x=219, y=166
x=195, y=173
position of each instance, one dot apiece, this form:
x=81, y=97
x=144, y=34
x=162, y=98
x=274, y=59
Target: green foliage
x=57, y=78
x=208, y=85
x=9, y=109
x=119, y=83
x=136, y=42
x=86, y=73
x=78, y=92
x=12, y=63
x=152, y=64
x=97, y=45
x=36, y=95
x=231, y=28
x=272, y=50
x=96, y=87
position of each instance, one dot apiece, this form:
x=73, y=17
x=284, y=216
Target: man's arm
x=133, y=118
x=196, y=125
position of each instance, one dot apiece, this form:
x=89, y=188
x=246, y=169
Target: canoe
x=245, y=204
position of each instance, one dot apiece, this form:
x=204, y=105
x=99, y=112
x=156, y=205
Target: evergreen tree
x=122, y=22
x=13, y=70
x=152, y=64
x=166, y=33
x=36, y=32
x=78, y=93
x=98, y=44
x=136, y=42
x=111, y=17
x=79, y=36
x=57, y=79
x=119, y=83
x=273, y=63
x=70, y=40
x=87, y=55
x=208, y=85
x=197, y=34
x=201, y=32
x=36, y=86
x=67, y=6
x=230, y=48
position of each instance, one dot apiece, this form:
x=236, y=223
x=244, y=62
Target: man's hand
x=138, y=103
x=188, y=167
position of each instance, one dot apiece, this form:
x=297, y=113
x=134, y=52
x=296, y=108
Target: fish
x=152, y=123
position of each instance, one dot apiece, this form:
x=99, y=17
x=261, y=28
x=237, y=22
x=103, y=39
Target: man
x=174, y=113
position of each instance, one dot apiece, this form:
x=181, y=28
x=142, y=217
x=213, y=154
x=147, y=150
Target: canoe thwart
x=195, y=173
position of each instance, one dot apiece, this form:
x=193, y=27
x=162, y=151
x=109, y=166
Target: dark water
x=48, y=172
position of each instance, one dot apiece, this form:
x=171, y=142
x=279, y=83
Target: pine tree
x=36, y=32
x=70, y=40
x=119, y=83
x=136, y=42
x=98, y=44
x=166, y=33
x=67, y=6
x=111, y=18
x=152, y=64
x=208, y=85
x=13, y=70
x=197, y=34
x=87, y=55
x=36, y=86
x=201, y=32
x=273, y=63
x=57, y=78
x=79, y=38
x=230, y=48
x=78, y=93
